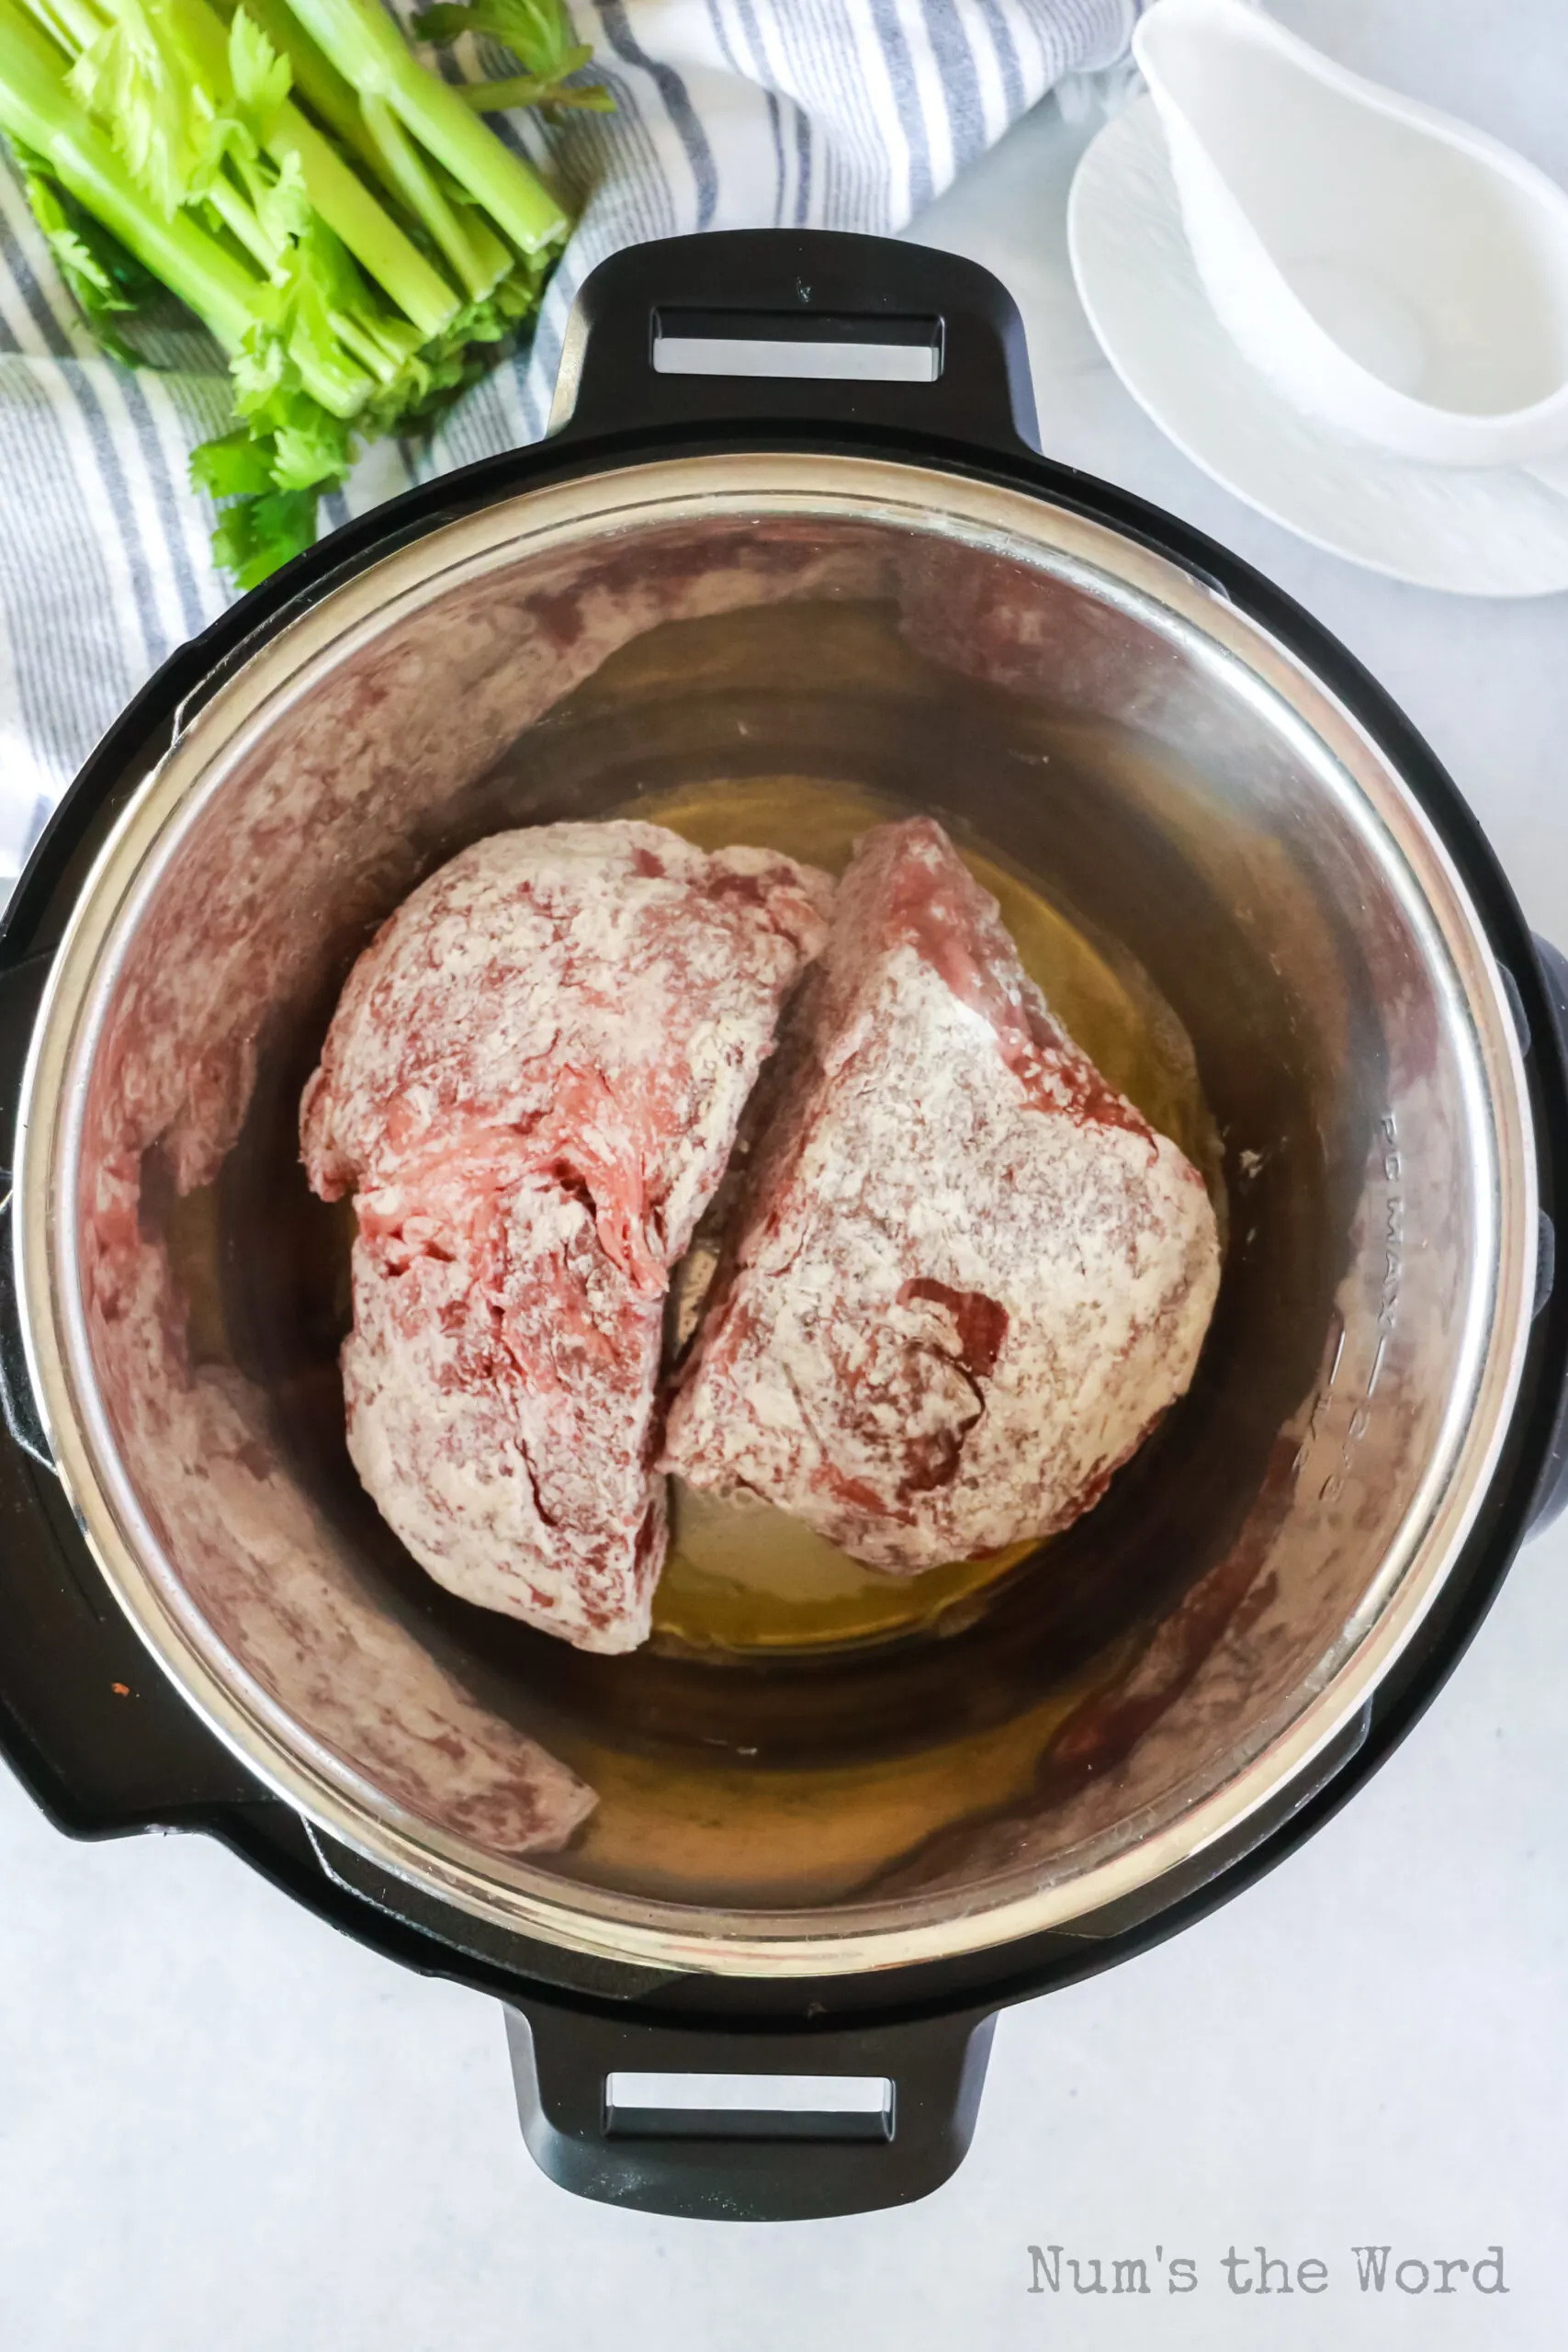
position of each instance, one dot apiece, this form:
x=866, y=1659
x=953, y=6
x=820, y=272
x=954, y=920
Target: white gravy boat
x=1398, y=275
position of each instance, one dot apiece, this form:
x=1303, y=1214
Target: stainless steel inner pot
x=1075, y=704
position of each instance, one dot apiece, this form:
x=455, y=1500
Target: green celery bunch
x=352, y=233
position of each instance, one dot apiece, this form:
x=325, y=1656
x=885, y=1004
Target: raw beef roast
x=967, y=1277
x=532, y=1084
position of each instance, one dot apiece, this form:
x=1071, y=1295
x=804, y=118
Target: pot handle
x=1552, y=1489
x=779, y=326
x=871, y=2115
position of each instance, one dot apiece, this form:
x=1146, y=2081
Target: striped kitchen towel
x=839, y=114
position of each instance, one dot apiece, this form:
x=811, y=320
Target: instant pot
x=731, y=566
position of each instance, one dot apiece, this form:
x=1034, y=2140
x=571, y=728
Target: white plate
x=1478, y=532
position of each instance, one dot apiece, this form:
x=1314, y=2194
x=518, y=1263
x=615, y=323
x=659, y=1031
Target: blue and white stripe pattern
x=839, y=114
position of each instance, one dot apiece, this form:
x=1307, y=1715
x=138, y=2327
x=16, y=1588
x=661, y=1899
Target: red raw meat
x=533, y=1083
x=967, y=1278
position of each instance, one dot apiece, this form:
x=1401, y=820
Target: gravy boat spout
x=1399, y=276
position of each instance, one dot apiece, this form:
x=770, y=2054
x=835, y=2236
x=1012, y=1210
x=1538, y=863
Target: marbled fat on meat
x=532, y=1084
x=967, y=1277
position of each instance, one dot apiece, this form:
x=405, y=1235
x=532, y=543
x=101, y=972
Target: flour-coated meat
x=532, y=1085
x=967, y=1278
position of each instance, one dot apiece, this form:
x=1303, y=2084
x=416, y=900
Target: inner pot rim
x=1229, y=647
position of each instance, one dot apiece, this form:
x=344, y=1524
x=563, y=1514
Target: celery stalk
x=479, y=271
x=70, y=22
x=36, y=107
x=317, y=81
x=477, y=259
x=238, y=216
x=371, y=235
x=532, y=90
x=365, y=45
x=347, y=207
x=355, y=237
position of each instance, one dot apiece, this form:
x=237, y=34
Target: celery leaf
x=106, y=283
x=255, y=537
x=539, y=33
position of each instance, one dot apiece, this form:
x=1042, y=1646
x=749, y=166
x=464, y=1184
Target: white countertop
x=222, y=2125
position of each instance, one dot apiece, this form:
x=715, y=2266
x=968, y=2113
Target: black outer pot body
x=107, y=1747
